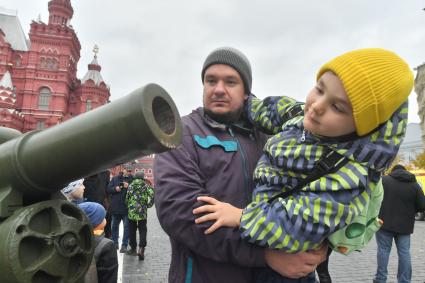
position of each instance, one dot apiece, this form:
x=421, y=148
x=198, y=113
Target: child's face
x=328, y=110
x=101, y=226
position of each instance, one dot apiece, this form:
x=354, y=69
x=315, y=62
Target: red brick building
x=39, y=87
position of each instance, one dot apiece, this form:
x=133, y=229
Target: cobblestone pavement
x=157, y=256
x=357, y=268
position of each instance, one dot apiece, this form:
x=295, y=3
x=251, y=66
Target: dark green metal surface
x=45, y=240
x=8, y=134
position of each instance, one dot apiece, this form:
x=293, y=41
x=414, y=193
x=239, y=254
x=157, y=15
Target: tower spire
x=95, y=51
x=94, y=68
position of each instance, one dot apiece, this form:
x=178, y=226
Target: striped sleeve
x=268, y=114
x=302, y=221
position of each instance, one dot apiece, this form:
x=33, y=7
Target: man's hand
x=223, y=213
x=117, y=189
x=295, y=265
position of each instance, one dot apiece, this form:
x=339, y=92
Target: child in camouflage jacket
x=140, y=197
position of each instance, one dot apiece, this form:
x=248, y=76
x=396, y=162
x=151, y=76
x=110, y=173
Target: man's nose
x=219, y=87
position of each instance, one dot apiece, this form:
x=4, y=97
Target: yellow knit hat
x=377, y=82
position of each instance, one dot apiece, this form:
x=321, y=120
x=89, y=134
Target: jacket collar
x=241, y=126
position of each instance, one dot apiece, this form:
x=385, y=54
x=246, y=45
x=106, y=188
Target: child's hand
x=223, y=213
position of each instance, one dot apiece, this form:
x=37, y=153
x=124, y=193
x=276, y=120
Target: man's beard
x=225, y=118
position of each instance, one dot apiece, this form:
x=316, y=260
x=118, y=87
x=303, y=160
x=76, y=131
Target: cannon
x=44, y=237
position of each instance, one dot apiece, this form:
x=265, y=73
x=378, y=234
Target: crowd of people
x=264, y=190
x=107, y=201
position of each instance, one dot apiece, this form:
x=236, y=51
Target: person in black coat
x=403, y=197
x=93, y=190
x=117, y=188
x=96, y=191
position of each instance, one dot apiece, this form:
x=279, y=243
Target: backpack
x=360, y=231
x=91, y=274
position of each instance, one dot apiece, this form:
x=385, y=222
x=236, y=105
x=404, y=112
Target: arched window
x=17, y=61
x=50, y=63
x=88, y=105
x=42, y=62
x=44, y=98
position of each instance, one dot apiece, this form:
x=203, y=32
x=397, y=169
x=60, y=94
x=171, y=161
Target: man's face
x=224, y=93
x=125, y=173
x=328, y=111
x=78, y=193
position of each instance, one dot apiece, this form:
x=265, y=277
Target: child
x=74, y=192
x=358, y=112
x=139, y=198
x=105, y=253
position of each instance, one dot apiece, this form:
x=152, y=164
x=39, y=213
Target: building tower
x=60, y=12
x=92, y=92
x=51, y=68
x=44, y=87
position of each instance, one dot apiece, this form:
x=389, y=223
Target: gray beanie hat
x=235, y=59
x=139, y=175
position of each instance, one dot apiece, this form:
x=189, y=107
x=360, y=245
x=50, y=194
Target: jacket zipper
x=245, y=169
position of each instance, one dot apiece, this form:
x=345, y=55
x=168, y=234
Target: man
x=217, y=157
x=118, y=208
x=403, y=197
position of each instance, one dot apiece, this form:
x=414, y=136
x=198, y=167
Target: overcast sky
x=166, y=41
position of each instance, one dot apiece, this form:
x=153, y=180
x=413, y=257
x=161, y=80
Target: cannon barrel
x=8, y=134
x=45, y=239
x=42, y=162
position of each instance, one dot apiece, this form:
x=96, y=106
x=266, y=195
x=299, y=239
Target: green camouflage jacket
x=140, y=197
